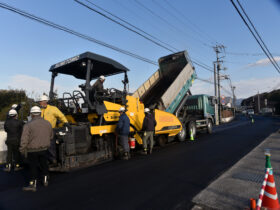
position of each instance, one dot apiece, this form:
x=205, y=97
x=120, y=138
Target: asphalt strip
x=234, y=188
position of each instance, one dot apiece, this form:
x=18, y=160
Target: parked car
x=250, y=112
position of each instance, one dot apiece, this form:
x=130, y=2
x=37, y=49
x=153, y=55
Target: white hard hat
x=44, y=98
x=12, y=112
x=146, y=110
x=102, y=77
x=122, y=109
x=14, y=106
x=35, y=110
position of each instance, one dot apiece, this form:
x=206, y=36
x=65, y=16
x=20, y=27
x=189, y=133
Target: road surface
x=167, y=179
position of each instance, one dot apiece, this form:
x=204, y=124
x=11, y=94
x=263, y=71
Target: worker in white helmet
x=35, y=141
x=148, y=127
x=13, y=128
x=98, y=85
x=52, y=114
x=16, y=107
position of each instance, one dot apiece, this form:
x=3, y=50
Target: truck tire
x=192, y=127
x=162, y=140
x=209, y=126
x=182, y=135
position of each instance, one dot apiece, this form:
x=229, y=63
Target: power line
x=205, y=80
x=80, y=35
x=117, y=22
x=204, y=66
x=210, y=82
x=92, y=9
x=163, y=19
x=70, y=31
x=159, y=5
x=247, y=54
x=194, y=25
x=266, y=53
x=258, y=34
x=137, y=28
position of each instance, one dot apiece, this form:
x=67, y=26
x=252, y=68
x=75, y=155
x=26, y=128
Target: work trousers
x=36, y=161
x=124, y=143
x=52, y=151
x=149, y=136
x=13, y=154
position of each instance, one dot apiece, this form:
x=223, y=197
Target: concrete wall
x=3, y=147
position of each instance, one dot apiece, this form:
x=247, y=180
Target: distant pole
x=259, y=106
x=217, y=121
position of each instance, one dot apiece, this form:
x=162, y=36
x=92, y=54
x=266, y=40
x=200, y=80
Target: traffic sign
x=223, y=100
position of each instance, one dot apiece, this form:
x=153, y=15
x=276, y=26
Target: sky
x=29, y=48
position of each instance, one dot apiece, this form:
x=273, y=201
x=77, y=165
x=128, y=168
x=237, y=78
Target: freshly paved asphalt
x=167, y=179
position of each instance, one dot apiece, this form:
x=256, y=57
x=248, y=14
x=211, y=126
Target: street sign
x=223, y=100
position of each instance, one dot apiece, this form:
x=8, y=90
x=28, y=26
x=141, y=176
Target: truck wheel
x=192, y=128
x=182, y=135
x=162, y=140
x=209, y=126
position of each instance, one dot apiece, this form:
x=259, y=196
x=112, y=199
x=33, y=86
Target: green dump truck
x=168, y=89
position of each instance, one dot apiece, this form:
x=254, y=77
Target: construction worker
x=122, y=130
x=98, y=85
x=16, y=107
x=148, y=127
x=52, y=114
x=13, y=127
x=35, y=141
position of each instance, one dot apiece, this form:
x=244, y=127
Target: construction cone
x=270, y=197
x=191, y=136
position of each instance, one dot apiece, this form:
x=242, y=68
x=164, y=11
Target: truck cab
x=198, y=113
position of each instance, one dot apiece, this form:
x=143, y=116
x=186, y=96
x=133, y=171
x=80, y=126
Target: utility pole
x=232, y=90
x=233, y=95
x=218, y=62
x=217, y=121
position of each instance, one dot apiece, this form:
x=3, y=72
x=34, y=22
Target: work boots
x=125, y=156
x=45, y=181
x=144, y=152
x=8, y=168
x=17, y=167
x=31, y=187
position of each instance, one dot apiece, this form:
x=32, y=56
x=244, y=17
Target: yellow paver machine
x=93, y=115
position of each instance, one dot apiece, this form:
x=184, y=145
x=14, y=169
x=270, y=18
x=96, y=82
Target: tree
x=10, y=97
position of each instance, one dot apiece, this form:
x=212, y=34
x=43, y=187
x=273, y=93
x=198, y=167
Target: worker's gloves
x=68, y=127
x=145, y=133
